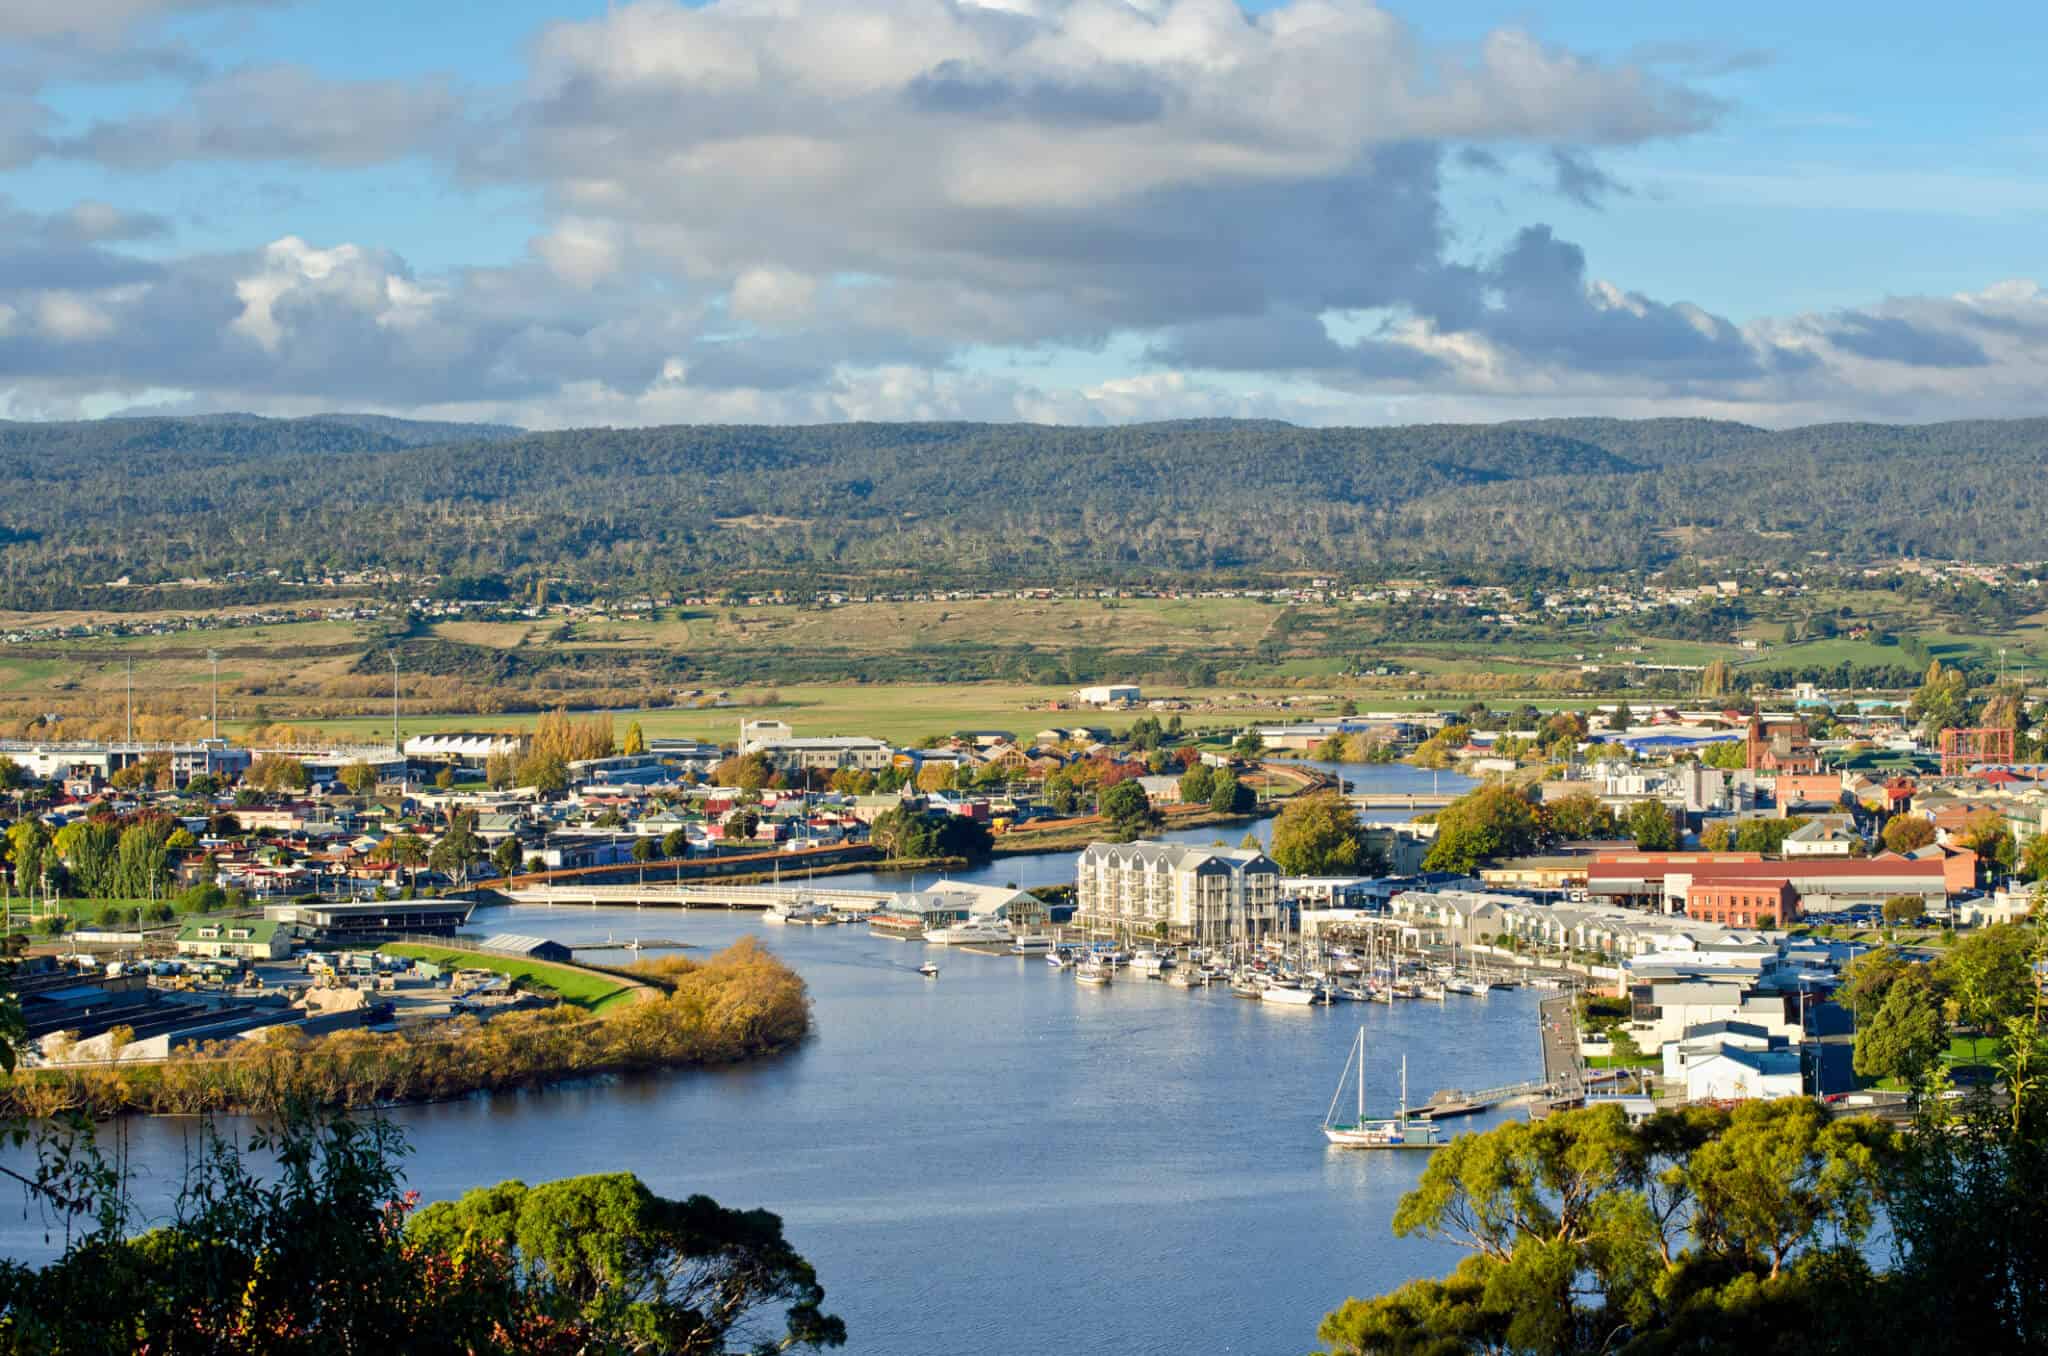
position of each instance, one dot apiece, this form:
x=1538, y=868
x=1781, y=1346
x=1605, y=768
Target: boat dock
x=703, y=895
x=1451, y=1102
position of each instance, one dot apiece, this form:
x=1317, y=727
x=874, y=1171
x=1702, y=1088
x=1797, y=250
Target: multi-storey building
x=1177, y=891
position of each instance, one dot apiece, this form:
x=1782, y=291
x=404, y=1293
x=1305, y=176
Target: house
x=236, y=939
x=1112, y=694
x=1831, y=837
x=1461, y=915
x=1735, y=1073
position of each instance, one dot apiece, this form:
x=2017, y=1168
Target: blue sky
x=1082, y=210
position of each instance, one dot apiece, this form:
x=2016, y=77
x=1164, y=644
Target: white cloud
x=68, y=318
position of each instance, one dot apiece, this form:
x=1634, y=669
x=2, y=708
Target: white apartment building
x=1193, y=892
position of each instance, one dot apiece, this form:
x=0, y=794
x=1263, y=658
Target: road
x=1561, y=1067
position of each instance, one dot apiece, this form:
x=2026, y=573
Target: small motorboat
x=928, y=970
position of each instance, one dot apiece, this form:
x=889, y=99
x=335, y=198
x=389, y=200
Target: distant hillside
x=164, y=498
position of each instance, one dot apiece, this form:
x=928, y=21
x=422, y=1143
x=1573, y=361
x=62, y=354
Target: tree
x=546, y=773
x=501, y=771
x=1581, y=816
x=1729, y=755
x=458, y=848
x=1989, y=975
x=1900, y=909
x=1249, y=744
x=635, y=742
x=1938, y=705
x=1767, y=834
x=29, y=848
x=143, y=867
x=407, y=851
x=1651, y=826
x=1904, y=833
x=675, y=844
x=505, y=856
x=1867, y=979
x=1128, y=810
x=744, y=772
x=1697, y=1230
x=301, y=1243
x=742, y=823
x=1485, y=823
x=1319, y=835
x=202, y=786
x=1061, y=795
x=1199, y=781
x=1229, y=796
x=1905, y=1038
x=360, y=779
x=275, y=773
x=613, y=1257
x=1990, y=837
x=445, y=779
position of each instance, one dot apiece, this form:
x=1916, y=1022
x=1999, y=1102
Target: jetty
x=1451, y=1102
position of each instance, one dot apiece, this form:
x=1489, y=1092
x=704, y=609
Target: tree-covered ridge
x=162, y=499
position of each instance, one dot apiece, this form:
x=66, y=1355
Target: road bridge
x=701, y=895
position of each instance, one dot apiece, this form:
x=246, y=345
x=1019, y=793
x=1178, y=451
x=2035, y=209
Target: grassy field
x=902, y=712
x=592, y=992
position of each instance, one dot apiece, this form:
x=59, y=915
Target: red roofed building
x=1664, y=880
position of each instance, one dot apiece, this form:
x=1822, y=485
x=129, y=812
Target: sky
x=1076, y=211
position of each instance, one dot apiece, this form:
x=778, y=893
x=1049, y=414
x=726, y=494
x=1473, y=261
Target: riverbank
x=1075, y=834
x=739, y=1005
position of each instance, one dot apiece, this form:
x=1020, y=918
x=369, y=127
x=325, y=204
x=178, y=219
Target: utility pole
x=396, y=746
x=214, y=657
x=131, y=701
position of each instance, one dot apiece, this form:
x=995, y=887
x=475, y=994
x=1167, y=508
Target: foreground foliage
x=309, y=1244
x=739, y=1004
x=1749, y=1231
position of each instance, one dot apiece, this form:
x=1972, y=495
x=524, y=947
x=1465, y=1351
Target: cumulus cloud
x=802, y=209
x=278, y=112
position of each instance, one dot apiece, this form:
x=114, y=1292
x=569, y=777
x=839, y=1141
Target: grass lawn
x=585, y=990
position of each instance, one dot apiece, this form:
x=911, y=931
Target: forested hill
x=158, y=499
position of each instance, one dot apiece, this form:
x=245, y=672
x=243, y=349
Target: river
x=997, y=1160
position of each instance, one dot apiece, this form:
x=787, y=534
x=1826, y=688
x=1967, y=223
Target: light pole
x=396, y=746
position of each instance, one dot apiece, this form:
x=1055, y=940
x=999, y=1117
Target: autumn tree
x=1905, y=833
x=1485, y=823
x=1319, y=835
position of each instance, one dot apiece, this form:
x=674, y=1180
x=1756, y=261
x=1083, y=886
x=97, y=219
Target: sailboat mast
x=1361, y=1073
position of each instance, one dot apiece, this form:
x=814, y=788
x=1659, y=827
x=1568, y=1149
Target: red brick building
x=1743, y=903
x=1781, y=746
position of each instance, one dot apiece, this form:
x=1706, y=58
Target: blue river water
x=998, y=1160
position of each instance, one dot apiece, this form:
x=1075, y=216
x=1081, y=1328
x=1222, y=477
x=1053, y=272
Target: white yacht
x=1290, y=995
x=1397, y=1132
x=973, y=930
x=1149, y=964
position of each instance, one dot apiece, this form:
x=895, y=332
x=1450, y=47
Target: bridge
x=1401, y=800
x=1457, y=1102
x=701, y=895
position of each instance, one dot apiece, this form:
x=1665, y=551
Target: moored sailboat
x=1397, y=1132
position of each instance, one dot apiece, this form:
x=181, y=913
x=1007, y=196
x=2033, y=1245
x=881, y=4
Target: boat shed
x=525, y=946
